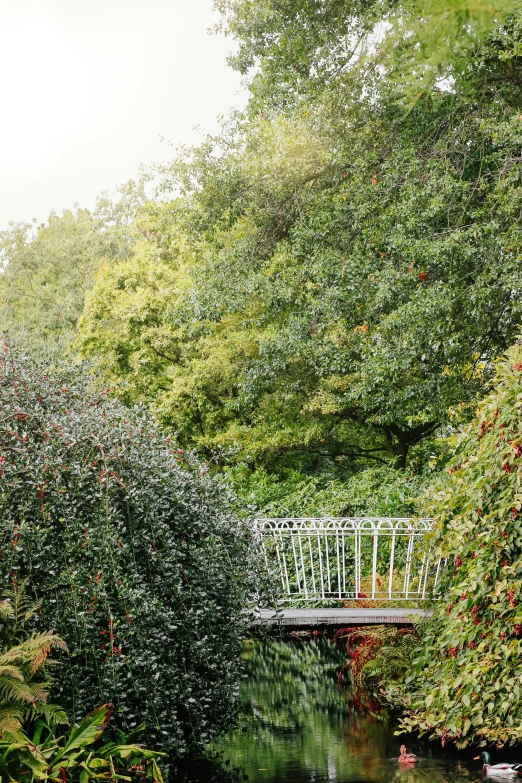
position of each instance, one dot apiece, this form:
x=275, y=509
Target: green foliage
x=362, y=318
x=435, y=43
x=135, y=301
x=25, y=667
x=18, y=609
x=29, y=724
x=300, y=50
x=380, y=657
x=467, y=684
x=70, y=756
x=377, y=491
x=141, y=565
x=47, y=270
x=23, y=699
x=296, y=47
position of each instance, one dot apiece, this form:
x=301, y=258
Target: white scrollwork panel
x=350, y=558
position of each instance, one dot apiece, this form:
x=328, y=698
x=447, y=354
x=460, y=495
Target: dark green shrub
x=140, y=564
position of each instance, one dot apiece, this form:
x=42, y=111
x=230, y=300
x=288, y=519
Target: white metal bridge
x=321, y=561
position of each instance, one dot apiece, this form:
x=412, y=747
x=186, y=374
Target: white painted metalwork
x=350, y=558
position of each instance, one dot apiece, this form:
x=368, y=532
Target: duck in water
x=498, y=770
x=406, y=758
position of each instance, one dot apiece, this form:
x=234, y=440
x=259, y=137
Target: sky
x=90, y=87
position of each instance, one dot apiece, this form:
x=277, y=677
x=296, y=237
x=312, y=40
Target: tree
x=128, y=324
x=48, y=269
x=362, y=316
x=297, y=47
x=301, y=50
x=448, y=44
x=141, y=565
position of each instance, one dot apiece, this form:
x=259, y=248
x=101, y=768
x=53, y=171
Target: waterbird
x=406, y=758
x=498, y=770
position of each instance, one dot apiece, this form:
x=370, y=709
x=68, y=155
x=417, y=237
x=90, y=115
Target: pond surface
x=296, y=726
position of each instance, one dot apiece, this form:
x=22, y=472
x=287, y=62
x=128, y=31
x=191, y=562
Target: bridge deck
x=339, y=617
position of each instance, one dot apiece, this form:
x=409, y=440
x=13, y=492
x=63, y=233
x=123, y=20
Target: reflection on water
x=296, y=727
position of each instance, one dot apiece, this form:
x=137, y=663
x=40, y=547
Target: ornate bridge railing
x=354, y=559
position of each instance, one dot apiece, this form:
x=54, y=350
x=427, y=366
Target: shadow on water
x=296, y=726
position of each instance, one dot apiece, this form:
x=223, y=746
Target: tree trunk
x=401, y=454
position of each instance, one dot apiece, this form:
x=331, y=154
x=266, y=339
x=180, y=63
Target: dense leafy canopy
x=451, y=44
x=373, y=282
x=376, y=491
x=140, y=564
x=333, y=278
x=46, y=270
x=297, y=50
x=297, y=47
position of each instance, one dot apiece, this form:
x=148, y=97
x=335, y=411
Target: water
x=297, y=727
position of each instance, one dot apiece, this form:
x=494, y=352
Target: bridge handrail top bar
x=410, y=525
x=343, y=519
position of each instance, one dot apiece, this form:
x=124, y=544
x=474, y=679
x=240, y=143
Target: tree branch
x=160, y=354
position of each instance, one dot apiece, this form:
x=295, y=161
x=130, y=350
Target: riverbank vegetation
x=132, y=548
x=467, y=681
x=457, y=677
x=305, y=317
x=31, y=728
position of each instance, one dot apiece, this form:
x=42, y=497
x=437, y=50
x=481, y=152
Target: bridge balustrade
x=358, y=559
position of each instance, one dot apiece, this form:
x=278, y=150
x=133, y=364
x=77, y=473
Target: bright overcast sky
x=90, y=86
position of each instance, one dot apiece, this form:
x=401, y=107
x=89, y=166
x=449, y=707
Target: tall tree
x=297, y=50
x=47, y=269
x=336, y=301
x=297, y=47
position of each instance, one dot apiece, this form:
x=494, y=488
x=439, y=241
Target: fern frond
x=31, y=611
x=11, y=671
x=10, y=721
x=15, y=691
x=34, y=650
x=13, y=655
x=37, y=640
x=47, y=641
x=24, y=607
x=39, y=658
x=40, y=691
x=53, y=714
x=6, y=610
